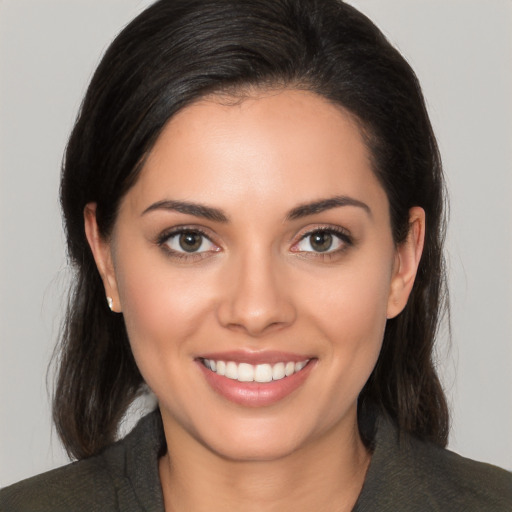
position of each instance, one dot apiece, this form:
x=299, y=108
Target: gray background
x=462, y=52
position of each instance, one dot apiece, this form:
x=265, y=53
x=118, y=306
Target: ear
x=407, y=260
x=102, y=252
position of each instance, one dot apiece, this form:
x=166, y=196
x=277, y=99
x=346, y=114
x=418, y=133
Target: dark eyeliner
x=165, y=235
x=342, y=234
x=339, y=232
x=163, y=238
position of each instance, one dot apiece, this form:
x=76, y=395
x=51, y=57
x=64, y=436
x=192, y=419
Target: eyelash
x=341, y=234
x=328, y=255
x=165, y=237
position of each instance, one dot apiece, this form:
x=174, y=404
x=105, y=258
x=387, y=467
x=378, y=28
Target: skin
x=257, y=284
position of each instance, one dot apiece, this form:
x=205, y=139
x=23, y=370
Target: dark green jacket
x=405, y=475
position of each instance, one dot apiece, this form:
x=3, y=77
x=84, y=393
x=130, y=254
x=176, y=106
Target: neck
x=326, y=475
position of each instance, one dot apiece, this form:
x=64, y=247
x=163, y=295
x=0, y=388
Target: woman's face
x=257, y=240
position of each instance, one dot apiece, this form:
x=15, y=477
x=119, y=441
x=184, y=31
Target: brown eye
x=321, y=241
x=190, y=242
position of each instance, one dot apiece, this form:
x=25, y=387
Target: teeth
x=244, y=372
x=299, y=366
x=278, y=371
x=221, y=367
x=231, y=370
x=263, y=373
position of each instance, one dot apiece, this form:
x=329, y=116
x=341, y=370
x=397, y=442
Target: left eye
x=189, y=242
x=320, y=241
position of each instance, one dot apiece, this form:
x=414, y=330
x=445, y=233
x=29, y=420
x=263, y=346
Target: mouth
x=255, y=380
x=262, y=373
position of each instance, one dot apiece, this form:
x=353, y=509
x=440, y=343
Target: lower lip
x=256, y=394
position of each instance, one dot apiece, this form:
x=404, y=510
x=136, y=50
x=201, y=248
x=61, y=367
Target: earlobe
x=407, y=260
x=101, y=250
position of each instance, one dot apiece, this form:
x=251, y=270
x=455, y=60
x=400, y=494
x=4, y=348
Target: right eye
x=183, y=242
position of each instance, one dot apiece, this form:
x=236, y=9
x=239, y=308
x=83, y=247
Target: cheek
x=350, y=316
x=164, y=315
x=162, y=306
x=350, y=311
x=354, y=300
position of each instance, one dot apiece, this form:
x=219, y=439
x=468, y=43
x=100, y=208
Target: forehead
x=288, y=146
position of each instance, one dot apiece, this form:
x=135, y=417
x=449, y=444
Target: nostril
x=256, y=323
x=254, y=299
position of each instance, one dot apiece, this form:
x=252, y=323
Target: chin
x=265, y=445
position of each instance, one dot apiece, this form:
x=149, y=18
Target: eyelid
x=168, y=233
x=175, y=231
x=336, y=230
x=341, y=233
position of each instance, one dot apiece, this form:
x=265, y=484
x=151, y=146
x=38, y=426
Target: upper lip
x=261, y=357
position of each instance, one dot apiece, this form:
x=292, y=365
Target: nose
x=256, y=298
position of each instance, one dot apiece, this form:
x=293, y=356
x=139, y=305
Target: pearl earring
x=110, y=303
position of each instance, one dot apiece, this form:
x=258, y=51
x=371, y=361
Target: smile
x=256, y=379
x=262, y=373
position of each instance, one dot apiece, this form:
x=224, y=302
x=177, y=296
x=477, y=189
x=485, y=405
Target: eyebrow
x=217, y=215
x=195, y=209
x=322, y=205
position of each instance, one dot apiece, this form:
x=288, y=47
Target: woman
x=256, y=219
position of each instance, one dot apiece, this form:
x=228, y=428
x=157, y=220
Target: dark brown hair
x=176, y=52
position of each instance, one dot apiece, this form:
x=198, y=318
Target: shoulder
x=462, y=483
x=82, y=485
x=119, y=478
x=409, y=474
